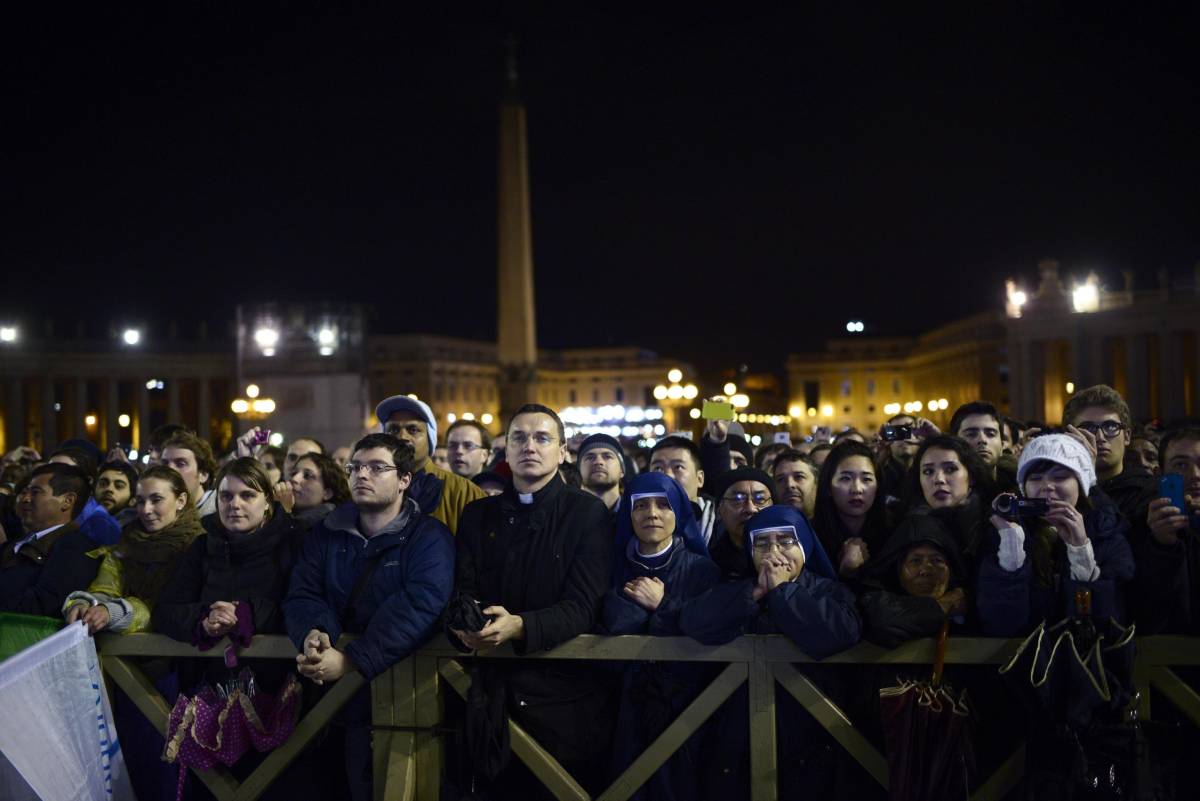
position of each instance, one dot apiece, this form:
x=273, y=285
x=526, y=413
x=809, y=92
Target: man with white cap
x=1037, y=564
x=438, y=492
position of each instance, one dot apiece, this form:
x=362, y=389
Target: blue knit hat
x=776, y=518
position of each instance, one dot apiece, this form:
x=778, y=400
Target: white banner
x=56, y=728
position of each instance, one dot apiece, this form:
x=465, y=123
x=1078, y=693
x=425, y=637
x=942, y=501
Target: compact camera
x=891, y=433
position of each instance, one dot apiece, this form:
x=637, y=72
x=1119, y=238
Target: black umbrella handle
x=939, y=655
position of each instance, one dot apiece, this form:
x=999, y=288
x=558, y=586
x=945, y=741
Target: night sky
x=719, y=186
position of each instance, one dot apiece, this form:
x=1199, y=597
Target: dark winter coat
x=1011, y=604
x=1165, y=594
x=684, y=574
x=550, y=562
x=891, y=616
x=399, y=608
x=219, y=566
x=38, y=578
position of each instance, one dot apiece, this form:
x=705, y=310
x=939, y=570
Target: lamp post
x=674, y=396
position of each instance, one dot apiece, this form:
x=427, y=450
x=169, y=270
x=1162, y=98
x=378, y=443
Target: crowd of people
x=990, y=527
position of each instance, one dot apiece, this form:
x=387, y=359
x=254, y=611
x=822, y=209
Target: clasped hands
x=776, y=569
x=320, y=661
x=502, y=627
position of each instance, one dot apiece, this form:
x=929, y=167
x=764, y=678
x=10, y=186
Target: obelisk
x=517, y=315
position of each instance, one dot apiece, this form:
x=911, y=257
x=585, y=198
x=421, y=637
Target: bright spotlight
x=1086, y=297
x=123, y=421
x=8, y=333
x=326, y=336
x=266, y=338
x=132, y=336
x=276, y=438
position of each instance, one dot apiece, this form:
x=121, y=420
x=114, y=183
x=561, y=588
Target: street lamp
x=132, y=336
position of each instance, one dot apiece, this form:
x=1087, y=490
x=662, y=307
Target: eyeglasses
x=372, y=468
x=784, y=544
x=758, y=499
x=469, y=447
x=541, y=439
x=1110, y=428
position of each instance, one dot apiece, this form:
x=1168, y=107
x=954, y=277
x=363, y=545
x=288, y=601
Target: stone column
x=16, y=431
x=173, y=413
x=144, y=428
x=1170, y=376
x=1137, y=376
x=112, y=403
x=80, y=402
x=203, y=412
x=49, y=415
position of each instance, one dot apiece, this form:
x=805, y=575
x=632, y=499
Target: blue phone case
x=1170, y=485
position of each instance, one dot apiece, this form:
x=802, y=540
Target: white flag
x=56, y=729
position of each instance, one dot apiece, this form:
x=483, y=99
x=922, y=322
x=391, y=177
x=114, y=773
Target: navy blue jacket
x=1012, y=604
x=398, y=610
x=684, y=574
x=816, y=613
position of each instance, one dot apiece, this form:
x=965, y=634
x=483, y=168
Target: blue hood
x=686, y=527
x=780, y=516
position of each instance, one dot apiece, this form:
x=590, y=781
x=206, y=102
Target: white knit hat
x=1059, y=449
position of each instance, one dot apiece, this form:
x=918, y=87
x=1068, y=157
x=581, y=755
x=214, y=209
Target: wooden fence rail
x=407, y=705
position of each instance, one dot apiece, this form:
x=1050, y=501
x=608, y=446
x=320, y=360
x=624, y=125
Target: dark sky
x=771, y=174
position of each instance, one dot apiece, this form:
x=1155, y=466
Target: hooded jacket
x=219, y=566
x=445, y=494
x=1013, y=603
x=399, y=608
x=815, y=611
x=891, y=616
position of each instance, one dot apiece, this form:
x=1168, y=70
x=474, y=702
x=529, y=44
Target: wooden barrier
x=407, y=705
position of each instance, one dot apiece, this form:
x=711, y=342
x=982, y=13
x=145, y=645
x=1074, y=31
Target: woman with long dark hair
x=849, y=516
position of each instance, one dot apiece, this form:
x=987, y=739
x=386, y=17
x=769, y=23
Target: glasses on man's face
x=372, y=468
x=539, y=438
x=413, y=430
x=760, y=500
x=764, y=544
x=1110, y=428
x=469, y=447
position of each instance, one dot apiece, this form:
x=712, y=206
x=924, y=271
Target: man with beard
x=796, y=481
x=380, y=568
x=538, y=559
x=978, y=423
x=115, y=486
x=602, y=467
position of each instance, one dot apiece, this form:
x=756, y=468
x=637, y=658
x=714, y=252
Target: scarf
x=148, y=560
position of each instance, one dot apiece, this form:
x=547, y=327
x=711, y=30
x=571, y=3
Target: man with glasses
x=379, y=568
x=1103, y=413
x=438, y=492
x=740, y=494
x=538, y=559
x=468, y=445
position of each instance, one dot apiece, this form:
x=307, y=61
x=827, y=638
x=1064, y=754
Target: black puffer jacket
x=254, y=568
